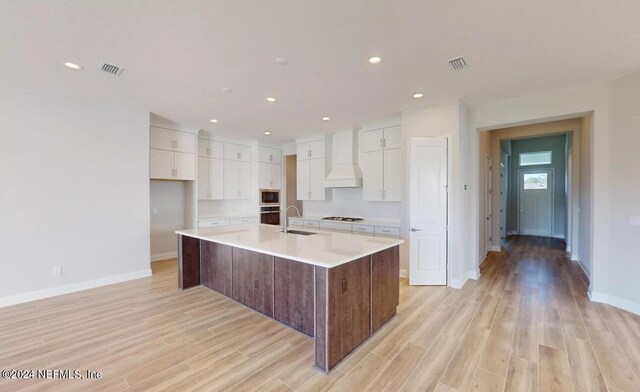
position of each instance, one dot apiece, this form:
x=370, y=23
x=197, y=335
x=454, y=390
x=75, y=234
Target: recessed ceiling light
x=375, y=60
x=226, y=90
x=213, y=120
x=271, y=99
x=418, y=95
x=281, y=61
x=325, y=118
x=73, y=66
x=267, y=133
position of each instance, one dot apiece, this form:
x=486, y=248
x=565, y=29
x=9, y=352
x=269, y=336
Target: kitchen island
x=338, y=288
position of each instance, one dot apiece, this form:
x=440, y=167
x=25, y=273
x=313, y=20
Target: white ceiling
x=178, y=55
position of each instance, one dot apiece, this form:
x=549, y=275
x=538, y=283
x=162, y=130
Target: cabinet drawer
x=243, y=221
x=296, y=222
x=212, y=223
x=387, y=231
x=336, y=226
x=310, y=223
x=363, y=229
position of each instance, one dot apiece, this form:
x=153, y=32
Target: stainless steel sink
x=298, y=232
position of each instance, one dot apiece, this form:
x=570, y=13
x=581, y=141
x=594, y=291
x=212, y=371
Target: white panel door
x=185, y=165
x=303, y=182
x=185, y=142
x=302, y=151
x=428, y=211
x=372, y=176
x=230, y=179
x=264, y=175
x=503, y=200
x=392, y=174
x=204, y=190
x=317, y=174
x=392, y=137
x=371, y=140
x=317, y=149
x=161, y=165
x=160, y=139
x=535, y=202
x=244, y=180
x=216, y=178
x=275, y=176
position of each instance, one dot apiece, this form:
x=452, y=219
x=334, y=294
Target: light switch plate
x=634, y=221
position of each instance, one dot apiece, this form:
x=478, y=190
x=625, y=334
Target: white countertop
x=222, y=217
x=324, y=249
x=372, y=222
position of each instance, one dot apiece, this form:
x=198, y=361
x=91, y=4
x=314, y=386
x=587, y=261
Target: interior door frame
x=488, y=205
x=549, y=183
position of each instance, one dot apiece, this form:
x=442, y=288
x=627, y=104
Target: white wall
x=75, y=194
x=167, y=210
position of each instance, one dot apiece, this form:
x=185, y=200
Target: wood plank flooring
x=525, y=325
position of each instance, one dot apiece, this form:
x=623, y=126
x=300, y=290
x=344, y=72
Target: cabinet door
x=216, y=267
x=372, y=175
x=302, y=151
x=371, y=140
x=317, y=174
x=230, y=179
x=392, y=174
x=293, y=294
x=185, y=142
x=244, y=180
x=185, y=165
x=203, y=148
x=317, y=149
x=275, y=176
x=216, y=148
x=216, y=179
x=161, y=165
x=263, y=153
x=160, y=139
x=231, y=151
x=392, y=137
x=244, y=153
x=276, y=156
x=264, y=173
x=302, y=182
x=253, y=280
x=204, y=189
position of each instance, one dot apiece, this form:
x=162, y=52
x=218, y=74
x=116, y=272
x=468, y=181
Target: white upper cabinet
x=172, y=154
x=303, y=179
x=317, y=174
x=270, y=155
x=210, y=179
x=237, y=152
x=210, y=148
x=381, y=162
x=237, y=179
x=310, y=150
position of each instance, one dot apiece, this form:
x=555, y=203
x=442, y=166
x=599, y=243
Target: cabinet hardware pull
x=381, y=143
x=270, y=158
x=238, y=154
x=415, y=229
x=384, y=142
x=344, y=285
x=256, y=284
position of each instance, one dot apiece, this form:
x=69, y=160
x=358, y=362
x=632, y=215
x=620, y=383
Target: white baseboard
x=496, y=248
x=458, y=283
x=403, y=273
x=164, y=256
x=72, y=288
x=615, y=301
x=483, y=259
x=561, y=236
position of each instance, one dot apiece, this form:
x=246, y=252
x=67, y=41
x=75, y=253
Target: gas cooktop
x=342, y=219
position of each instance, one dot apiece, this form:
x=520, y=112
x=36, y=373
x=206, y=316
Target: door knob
x=415, y=229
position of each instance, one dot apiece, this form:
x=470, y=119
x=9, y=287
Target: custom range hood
x=345, y=172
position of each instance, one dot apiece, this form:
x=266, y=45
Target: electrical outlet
x=155, y=211
x=57, y=271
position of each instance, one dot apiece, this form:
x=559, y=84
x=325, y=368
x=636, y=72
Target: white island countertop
x=324, y=249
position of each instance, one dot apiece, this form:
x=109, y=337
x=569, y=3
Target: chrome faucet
x=284, y=227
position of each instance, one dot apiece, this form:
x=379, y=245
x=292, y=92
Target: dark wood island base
x=340, y=306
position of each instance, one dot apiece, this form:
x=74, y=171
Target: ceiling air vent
x=457, y=63
x=110, y=68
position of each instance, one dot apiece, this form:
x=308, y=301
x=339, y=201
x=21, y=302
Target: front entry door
x=535, y=192
x=428, y=210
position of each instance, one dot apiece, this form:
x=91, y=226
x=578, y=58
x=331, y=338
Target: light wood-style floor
x=525, y=325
